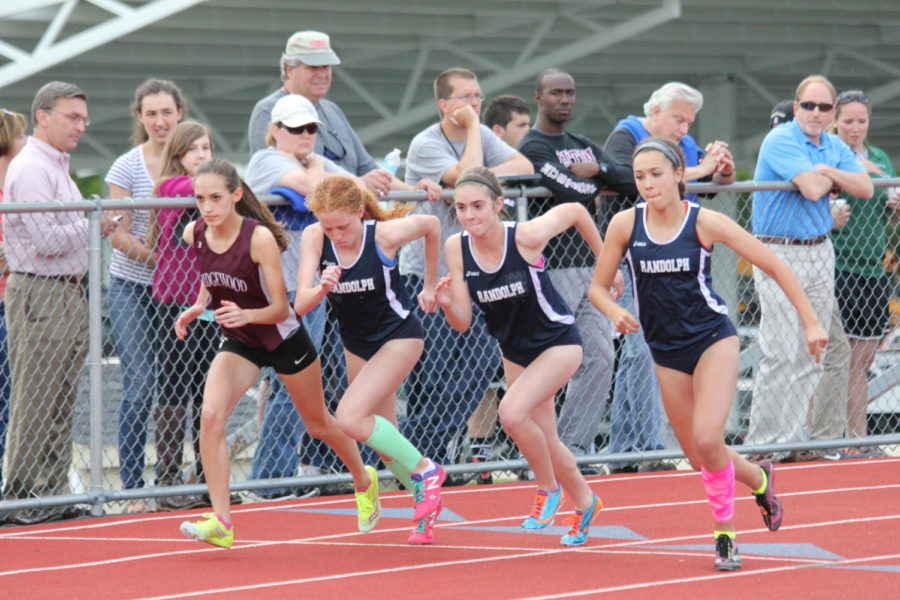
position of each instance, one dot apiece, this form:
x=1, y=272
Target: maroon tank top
x=232, y=275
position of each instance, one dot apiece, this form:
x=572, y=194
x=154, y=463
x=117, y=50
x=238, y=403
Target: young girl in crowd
x=499, y=266
x=157, y=108
x=12, y=138
x=182, y=363
x=667, y=242
x=238, y=243
x=354, y=247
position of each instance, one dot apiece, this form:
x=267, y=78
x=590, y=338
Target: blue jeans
x=448, y=382
x=134, y=320
x=634, y=416
x=5, y=387
x=282, y=428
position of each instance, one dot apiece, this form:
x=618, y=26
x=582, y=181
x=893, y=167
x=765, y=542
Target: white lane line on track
x=328, y=538
x=706, y=578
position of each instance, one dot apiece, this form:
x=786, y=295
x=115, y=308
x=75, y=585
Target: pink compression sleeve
x=719, y=487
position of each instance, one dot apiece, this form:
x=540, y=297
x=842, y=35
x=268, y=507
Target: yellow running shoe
x=368, y=504
x=210, y=530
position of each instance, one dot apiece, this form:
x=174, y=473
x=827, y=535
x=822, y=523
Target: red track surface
x=653, y=539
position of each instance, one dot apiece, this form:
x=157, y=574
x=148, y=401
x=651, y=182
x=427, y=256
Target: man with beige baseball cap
x=306, y=69
x=311, y=47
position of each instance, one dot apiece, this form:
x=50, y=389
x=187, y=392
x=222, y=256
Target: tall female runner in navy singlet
x=354, y=247
x=237, y=243
x=499, y=266
x=668, y=243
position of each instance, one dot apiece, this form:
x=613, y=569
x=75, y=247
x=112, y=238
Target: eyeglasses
x=823, y=107
x=469, y=97
x=310, y=128
x=848, y=97
x=74, y=117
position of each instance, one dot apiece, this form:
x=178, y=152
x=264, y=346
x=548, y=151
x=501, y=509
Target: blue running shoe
x=544, y=510
x=581, y=524
x=769, y=504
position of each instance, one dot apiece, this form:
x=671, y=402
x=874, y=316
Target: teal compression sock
x=387, y=441
x=401, y=473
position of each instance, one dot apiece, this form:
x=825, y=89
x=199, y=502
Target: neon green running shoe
x=210, y=530
x=368, y=504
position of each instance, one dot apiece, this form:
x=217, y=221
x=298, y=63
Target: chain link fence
x=105, y=400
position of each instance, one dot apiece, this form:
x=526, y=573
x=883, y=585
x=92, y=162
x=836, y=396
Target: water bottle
x=391, y=161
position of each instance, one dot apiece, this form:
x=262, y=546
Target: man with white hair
x=669, y=113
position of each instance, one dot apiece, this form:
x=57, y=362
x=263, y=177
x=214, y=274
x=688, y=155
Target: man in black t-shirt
x=575, y=169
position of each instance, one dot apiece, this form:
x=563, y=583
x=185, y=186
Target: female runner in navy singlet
x=499, y=266
x=668, y=242
x=354, y=247
x=237, y=243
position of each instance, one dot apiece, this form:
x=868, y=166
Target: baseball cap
x=781, y=113
x=294, y=110
x=313, y=48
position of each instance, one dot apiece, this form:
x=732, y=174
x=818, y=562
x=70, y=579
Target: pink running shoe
x=427, y=491
x=424, y=531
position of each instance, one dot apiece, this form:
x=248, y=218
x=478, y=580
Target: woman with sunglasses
x=290, y=164
x=861, y=285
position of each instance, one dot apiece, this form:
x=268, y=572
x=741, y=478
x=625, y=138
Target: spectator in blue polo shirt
x=795, y=225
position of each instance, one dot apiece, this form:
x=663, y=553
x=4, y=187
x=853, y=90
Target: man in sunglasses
x=306, y=69
x=795, y=224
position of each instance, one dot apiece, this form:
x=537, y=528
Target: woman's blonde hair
x=343, y=193
x=12, y=127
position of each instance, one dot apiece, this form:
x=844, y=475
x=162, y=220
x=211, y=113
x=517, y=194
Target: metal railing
x=99, y=388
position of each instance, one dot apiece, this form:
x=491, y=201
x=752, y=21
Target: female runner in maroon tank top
x=238, y=243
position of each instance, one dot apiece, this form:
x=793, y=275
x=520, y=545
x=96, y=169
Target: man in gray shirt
x=306, y=69
x=455, y=370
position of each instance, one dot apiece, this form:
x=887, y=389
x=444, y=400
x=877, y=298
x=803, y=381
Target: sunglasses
x=823, y=107
x=848, y=97
x=310, y=128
